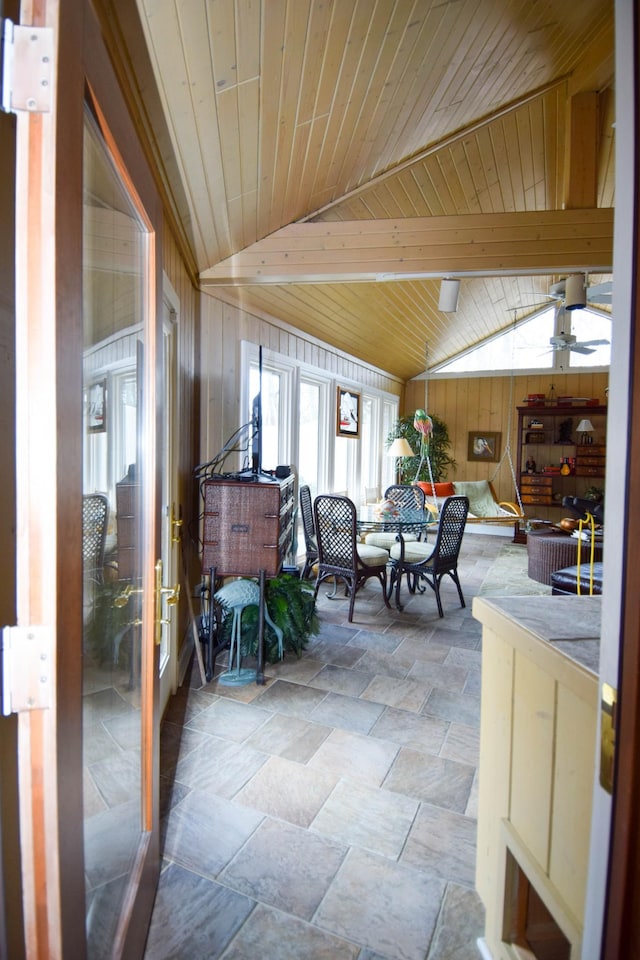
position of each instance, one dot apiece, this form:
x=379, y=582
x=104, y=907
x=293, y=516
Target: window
x=311, y=440
x=586, y=325
x=298, y=425
x=522, y=347
x=276, y=391
x=389, y=417
x=526, y=346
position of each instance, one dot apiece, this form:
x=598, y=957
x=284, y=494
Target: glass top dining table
x=369, y=518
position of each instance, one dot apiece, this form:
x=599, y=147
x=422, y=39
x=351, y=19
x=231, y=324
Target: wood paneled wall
x=188, y=406
x=188, y=368
x=489, y=403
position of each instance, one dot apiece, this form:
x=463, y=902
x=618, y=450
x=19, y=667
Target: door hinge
x=27, y=668
x=27, y=68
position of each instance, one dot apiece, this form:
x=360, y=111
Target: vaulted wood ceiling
x=314, y=150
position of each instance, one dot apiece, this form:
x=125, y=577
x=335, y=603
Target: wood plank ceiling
x=394, y=134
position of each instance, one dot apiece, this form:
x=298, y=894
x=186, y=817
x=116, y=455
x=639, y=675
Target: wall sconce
x=398, y=449
x=585, y=427
x=449, y=290
x=575, y=292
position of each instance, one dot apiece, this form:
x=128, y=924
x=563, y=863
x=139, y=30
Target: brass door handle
x=169, y=595
x=123, y=598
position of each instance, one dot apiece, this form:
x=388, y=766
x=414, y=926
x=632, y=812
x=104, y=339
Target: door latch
x=27, y=668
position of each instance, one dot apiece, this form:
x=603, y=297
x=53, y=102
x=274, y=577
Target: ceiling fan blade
x=592, y=343
x=580, y=348
x=600, y=292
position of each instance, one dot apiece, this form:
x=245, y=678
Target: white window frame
x=292, y=374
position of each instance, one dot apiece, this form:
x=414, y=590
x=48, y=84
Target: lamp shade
x=585, y=426
x=449, y=290
x=400, y=448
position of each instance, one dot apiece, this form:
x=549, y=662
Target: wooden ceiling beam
x=533, y=242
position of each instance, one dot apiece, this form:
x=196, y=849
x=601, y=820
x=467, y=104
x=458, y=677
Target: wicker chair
x=340, y=556
x=420, y=562
x=95, y=513
x=310, y=545
x=407, y=497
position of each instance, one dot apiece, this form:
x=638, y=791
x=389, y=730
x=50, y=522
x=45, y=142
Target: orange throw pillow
x=441, y=489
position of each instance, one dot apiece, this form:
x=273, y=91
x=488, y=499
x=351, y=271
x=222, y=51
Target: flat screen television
x=256, y=420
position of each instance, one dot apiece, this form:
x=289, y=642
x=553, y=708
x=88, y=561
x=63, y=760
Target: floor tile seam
x=469, y=768
x=429, y=804
x=315, y=921
x=183, y=753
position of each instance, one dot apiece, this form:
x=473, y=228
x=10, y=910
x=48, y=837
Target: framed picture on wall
x=484, y=445
x=96, y=406
x=348, y=413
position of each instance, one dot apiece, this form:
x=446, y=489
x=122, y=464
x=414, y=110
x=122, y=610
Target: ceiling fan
x=567, y=341
x=573, y=293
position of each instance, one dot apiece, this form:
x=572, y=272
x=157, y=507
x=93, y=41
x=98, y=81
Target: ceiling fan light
x=575, y=292
x=449, y=290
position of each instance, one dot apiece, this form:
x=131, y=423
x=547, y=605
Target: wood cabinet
x=539, y=711
x=555, y=460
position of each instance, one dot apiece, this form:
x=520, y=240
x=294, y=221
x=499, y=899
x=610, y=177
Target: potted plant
x=292, y=607
x=415, y=468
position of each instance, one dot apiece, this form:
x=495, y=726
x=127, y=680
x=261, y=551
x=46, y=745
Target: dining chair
x=340, y=556
x=310, y=544
x=420, y=562
x=95, y=516
x=407, y=497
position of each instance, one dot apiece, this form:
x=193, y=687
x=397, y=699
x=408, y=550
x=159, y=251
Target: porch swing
x=484, y=506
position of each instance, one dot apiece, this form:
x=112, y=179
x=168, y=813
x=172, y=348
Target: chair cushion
x=386, y=539
x=372, y=556
x=413, y=552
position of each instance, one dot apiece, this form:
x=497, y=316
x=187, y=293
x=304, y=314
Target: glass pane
x=368, y=465
x=115, y=262
x=309, y=434
x=270, y=433
x=588, y=328
x=524, y=347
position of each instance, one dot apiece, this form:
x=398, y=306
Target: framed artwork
x=484, y=445
x=348, y=413
x=97, y=407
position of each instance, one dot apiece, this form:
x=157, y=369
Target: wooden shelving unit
x=548, y=436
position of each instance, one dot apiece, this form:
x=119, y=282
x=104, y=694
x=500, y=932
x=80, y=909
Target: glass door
x=120, y=662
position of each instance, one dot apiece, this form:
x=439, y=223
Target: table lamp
x=398, y=449
x=585, y=427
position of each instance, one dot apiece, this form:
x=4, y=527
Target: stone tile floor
x=330, y=814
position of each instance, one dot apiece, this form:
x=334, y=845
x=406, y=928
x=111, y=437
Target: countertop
x=570, y=624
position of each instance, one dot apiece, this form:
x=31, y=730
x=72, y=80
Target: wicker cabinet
x=554, y=460
x=248, y=526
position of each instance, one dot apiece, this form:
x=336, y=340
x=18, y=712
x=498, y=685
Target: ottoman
x=565, y=582
x=547, y=552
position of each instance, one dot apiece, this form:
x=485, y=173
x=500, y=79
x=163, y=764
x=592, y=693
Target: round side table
x=548, y=552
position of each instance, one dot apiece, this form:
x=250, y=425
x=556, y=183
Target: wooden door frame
x=622, y=918
x=49, y=337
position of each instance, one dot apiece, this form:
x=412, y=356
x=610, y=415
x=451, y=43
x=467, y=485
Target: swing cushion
x=482, y=503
